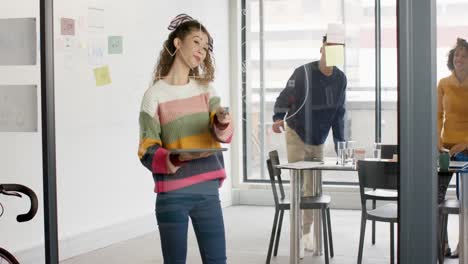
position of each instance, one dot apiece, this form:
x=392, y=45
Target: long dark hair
x=166, y=60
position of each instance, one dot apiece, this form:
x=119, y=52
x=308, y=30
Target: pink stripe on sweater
x=159, y=164
x=170, y=185
x=172, y=110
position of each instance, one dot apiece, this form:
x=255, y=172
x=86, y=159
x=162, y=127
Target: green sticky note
x=115, y=44
x=102, y=76
x=334, y=55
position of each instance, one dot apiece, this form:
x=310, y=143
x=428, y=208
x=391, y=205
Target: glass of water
x=341, y=150
x=377, y=150
x=350, y=147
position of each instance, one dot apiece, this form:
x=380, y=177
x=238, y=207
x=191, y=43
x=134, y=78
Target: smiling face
x=193, y=48
x=460, y=59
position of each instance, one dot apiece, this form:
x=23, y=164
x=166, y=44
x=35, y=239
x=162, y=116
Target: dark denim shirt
x=324, y=107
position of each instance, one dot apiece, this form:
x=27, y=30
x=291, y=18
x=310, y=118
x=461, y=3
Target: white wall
x=102, y=187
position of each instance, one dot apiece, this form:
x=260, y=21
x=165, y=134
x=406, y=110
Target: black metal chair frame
x=321, y=202
x=377, y=175
x=375, y=195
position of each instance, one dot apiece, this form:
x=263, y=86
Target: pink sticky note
x=67, y=26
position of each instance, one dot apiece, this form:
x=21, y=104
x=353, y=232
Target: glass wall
x=292, y=34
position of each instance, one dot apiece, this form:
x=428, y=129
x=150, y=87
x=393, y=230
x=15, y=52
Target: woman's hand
x=223, y=116
x=458, y=148
x=191, y=156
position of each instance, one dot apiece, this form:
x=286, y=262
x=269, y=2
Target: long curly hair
x=461, y=43
x=204, y=73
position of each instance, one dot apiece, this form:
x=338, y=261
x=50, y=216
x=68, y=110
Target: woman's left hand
x=223, y=116
x=458, y=148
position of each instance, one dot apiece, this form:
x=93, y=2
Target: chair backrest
x=275, y=175
x=387, y=151
x=377, y=174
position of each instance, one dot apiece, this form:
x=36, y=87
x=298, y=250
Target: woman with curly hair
x=181, y=111
x=452, y=125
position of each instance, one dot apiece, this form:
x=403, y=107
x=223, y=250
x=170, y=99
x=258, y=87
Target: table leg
x=318, y=249
x=463, y=233
x=295, y=215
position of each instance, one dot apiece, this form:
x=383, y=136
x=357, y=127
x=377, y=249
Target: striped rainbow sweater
x=180, y=117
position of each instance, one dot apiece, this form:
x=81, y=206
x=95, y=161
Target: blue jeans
x=172, y=212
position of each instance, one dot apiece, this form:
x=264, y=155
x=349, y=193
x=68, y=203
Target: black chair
x=449, y=206
x=321, y=202
x=387, y=152
x=377, y=175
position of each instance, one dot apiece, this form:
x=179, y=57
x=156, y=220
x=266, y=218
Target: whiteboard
x=18, y=41
x=18, y=108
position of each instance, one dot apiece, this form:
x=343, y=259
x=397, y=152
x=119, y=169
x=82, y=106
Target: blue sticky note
x=115, y=45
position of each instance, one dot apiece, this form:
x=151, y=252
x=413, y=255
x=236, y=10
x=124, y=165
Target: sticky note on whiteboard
x=115, y=45
x=102, y=76
x=336, y=33
x=67, y=26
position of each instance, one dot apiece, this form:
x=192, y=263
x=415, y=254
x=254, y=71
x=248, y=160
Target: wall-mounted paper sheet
x=95, y=18
x=18, y=108
x=334, y=55
x=18, y=41
x=115, y=45
x=102, y=76
x=67, y=26
x=96, y=51
x=336, y=33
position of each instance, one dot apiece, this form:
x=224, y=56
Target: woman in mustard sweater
x=452, y=112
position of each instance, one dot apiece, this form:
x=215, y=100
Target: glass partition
x=292, y=35
x=20, y=134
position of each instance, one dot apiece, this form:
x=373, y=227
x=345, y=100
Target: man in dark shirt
x=312, y=103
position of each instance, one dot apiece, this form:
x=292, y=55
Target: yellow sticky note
x=334, y=55
x=102, y=76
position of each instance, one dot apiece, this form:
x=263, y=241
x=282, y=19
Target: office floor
x=247, y=232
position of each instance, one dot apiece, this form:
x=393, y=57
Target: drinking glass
x=341, y=151
x=350, y=146
x=377, y=150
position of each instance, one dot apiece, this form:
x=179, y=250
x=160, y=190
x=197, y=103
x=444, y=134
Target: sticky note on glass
x=334, y=55
x=115, y=44
x=336, y=33
x=102, y=76
x=67, y=26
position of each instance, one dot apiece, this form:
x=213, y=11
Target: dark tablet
x=197, y=150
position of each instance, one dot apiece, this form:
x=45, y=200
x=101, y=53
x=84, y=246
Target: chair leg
x=332, y=254
x=278, y=233
x=361, y=236
x=392, y=244
x=325, y=236
x=442, y=235
x=374, y=205
x=440, y=240
x=272, y=236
